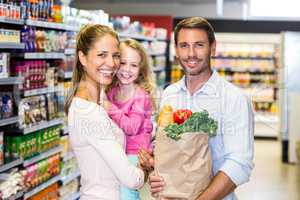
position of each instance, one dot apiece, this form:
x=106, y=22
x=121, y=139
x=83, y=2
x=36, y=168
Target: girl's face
x=129, y=65
x=102, y=60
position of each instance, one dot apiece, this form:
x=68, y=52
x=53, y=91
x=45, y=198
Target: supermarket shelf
x=11, y=45
x=44, y=55
x=266, y=118
x=28, y=93
x=7, y=20
x=68, y=156
x=159, y=69
x=12, y=120
x=65, y=180
x=10, y=165
x=42, y=156
x=73, y=196
x=41, y=187
x=70, y=51
x=244, y=57
x=11, y=80
x=51, y=25
x=156, y=54
x=136, y=36
x=43, y=125
x=242, y=69
x=66, y=75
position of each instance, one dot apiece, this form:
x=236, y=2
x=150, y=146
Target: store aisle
x=271, y=179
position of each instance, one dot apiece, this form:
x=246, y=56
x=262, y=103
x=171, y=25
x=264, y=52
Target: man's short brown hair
x=197, y=23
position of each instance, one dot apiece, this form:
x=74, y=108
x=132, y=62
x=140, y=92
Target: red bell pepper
x=181, y=115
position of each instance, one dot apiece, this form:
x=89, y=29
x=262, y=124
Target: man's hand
x=157, y=184
x=146, y=159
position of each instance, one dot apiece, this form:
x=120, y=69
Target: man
x=202, y=88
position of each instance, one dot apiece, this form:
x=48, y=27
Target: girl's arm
x=132, y=121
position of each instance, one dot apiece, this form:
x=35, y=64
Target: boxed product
x=41, y=171
x=11, y=185
x=6, y=105
x=32, y=110
x=68, y=189
x=4, y=65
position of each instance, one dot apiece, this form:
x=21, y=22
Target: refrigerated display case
x=250, y=61
x=290, y=95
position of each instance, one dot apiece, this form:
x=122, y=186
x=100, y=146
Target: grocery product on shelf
x=8, y=35
x=41, y=171
x=12, y=184
x=39, y=40
x=65, y=144
x=6, y=105
x=4, y=65
x=27, y=146
x=43, y=11
x=69, y=189
x=50, y=193
x=11, y=10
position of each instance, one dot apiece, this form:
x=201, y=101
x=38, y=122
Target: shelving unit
x=22, y=54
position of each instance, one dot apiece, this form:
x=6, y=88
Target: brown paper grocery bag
x=185, y=165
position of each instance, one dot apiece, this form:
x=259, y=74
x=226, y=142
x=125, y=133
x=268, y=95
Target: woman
x=97, y=142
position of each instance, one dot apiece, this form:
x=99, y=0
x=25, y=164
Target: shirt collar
x=209, y=88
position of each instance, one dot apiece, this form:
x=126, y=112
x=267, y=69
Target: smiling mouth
x=106, y=72
x=192, y=62
x=125, y=75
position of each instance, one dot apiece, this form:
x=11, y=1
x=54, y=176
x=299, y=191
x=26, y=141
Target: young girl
x=132, y=103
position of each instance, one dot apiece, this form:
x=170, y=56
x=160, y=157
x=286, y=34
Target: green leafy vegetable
x=198, y=122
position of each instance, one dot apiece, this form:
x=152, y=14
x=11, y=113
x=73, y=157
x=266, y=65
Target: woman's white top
x=98, y=144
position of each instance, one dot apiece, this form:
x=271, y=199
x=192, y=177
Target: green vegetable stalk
x=197, y=122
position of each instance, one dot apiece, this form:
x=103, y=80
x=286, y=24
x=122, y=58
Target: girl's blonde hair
x=145, y=78
x=86, y=38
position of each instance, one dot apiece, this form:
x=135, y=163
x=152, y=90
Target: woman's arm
x=102, y=138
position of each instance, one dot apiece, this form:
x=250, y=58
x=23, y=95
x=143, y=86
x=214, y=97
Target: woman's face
x=129, y=65
x=102, y=60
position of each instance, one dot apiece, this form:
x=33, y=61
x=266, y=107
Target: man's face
x=194, y=51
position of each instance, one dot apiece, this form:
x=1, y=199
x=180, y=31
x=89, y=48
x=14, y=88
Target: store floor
x=271, y=180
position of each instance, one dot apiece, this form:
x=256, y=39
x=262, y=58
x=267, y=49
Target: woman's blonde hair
x=145, y=78
x=86, y=38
